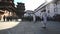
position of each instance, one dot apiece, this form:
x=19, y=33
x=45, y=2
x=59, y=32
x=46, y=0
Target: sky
x=30, y=4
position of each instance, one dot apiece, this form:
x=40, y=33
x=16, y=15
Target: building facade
x=29, y=16
x=7, y=9
x=20, y=9
x=51, y=8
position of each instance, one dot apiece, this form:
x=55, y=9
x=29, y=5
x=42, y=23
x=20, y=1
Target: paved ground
x=26, y=27
x=6, y=24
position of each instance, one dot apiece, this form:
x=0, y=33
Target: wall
x=50, y=9
x=58, y=7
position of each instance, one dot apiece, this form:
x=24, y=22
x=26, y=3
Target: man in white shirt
x=44, y=19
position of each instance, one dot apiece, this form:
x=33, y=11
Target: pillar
x=34, y=18
x=2, y=18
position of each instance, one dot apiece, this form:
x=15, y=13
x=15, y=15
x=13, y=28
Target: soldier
x=44, y=19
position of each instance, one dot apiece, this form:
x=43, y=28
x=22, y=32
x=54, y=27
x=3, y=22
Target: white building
x=51, y=8
x=28, y=13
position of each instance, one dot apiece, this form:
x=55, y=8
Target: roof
x=29, y=11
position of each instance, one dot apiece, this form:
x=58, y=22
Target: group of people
x=44, y=17
x=9, y=18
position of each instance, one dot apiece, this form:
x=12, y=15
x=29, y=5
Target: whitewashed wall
x=50, y=8
x=58, y=7
x=37, y=13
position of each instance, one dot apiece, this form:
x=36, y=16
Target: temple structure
x=7, y=9
x=20, y=9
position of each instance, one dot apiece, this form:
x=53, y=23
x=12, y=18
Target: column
x=34, y=19
x=2, y=18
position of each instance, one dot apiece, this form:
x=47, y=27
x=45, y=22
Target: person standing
x=44, y=19
x=4, y=17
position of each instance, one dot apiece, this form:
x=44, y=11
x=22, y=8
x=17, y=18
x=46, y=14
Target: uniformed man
x=44, y=19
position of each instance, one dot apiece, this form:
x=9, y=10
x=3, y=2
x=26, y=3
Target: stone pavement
x=26, y=27
x=6, y=24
